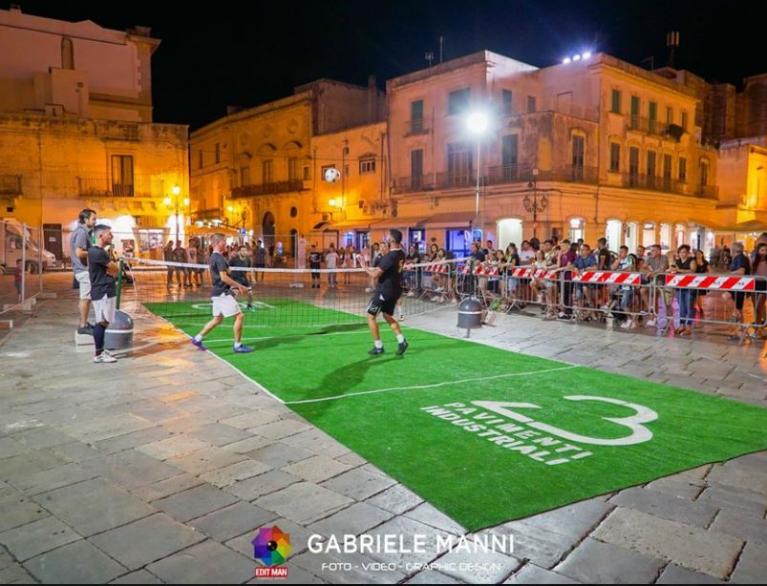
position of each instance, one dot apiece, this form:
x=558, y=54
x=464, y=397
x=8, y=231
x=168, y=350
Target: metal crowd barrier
x=739, y=305
x=629, y=299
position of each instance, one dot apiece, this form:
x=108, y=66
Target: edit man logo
x=272, y=548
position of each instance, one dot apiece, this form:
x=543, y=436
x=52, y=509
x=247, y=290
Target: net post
x=119, y=281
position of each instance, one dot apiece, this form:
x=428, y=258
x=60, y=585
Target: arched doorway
x=509, y=231
x=267, y=229
x=293, y=242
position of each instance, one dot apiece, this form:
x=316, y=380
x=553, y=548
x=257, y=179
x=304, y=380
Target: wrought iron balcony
x=268, y=188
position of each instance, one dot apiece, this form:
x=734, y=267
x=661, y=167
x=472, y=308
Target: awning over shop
x=750, y=226
x=341, y=226
x=400, y=223
x=450, y=220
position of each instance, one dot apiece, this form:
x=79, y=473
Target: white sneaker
x=627, y=324
x=651, y=323
x=104, y=358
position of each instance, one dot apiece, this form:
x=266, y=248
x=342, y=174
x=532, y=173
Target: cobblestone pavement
x=162, y=467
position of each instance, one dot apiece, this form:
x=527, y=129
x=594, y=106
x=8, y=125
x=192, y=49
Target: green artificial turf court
x=483, y=434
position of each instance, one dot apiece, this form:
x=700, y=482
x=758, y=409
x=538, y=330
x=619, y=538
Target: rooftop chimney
x=372, y=99
x=672, y=43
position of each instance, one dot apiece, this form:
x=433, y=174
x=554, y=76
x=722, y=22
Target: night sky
x=244, y=54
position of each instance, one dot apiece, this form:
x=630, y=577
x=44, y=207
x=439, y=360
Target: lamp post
x=535, y=205
x=477, y=123
x=175, y=201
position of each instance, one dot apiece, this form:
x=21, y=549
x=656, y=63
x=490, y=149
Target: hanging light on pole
x=478, y=123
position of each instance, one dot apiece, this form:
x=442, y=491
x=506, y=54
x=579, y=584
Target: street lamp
x=175, y=201
x=535, y=205
x=478, y=123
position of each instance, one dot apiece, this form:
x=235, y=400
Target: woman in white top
x=331, y=263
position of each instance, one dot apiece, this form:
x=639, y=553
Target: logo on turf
x=272, y=548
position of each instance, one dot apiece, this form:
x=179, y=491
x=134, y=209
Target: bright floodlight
x=577, y=58
x=587, y=55
x=176, y=190
x=477, y=122
x=566, y=60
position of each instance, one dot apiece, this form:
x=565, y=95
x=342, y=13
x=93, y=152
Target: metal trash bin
x=119, y=334
x=470, y=314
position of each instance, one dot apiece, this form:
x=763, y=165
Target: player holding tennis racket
x=388, y=273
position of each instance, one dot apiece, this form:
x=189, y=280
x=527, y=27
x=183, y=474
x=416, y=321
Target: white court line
x=229, y=340
x=433, y=386
x=246, y=377
x=229, y=364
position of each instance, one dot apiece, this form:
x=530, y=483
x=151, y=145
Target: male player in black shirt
x=224, y=303
x=240, y=259
x=315, y=263
x=102, y=271
x=387, y=294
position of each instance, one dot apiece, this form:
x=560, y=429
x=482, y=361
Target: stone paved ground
x=161, y=468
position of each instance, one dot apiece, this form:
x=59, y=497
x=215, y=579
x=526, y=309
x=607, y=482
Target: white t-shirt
x=331, y=260
x=526, y=256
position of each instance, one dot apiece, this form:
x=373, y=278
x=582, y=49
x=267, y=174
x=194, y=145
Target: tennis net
x=280, y=297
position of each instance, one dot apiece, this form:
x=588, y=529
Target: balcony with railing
x=270, y=188
x=456, y=179
x=138, y=186
x=412, y=184
x=500, y=175
x=10, y=185
x=655, y=183
x=648, y=126
x=416, y=127
x=707, y=191
x=524, y=173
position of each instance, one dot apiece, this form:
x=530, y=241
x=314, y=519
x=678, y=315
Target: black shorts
x=383, y=303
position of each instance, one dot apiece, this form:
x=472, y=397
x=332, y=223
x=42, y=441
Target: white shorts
x=225, y=305
x=85, y=284
x=105, y=309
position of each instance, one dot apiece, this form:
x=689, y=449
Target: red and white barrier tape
x=609, y=278
x=724, y=283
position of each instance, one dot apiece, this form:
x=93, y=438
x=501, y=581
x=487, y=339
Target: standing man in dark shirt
x=240, y=259
x=388, y=273
x=604, y=256
x=102, y=272
x=222, y=296
x=315, y=263
x=79, y=243
x=477, y=253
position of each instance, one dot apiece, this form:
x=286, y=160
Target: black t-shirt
x=480, y=255
x=414, y=257
x=315, y=260
x=514, y=260
x=390, y=282
x=102, y=283
x=604, y=259
x=237, y=261
x=218, y=265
